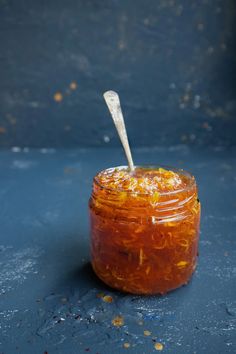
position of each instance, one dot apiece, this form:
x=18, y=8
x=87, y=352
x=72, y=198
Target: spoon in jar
x=113, y=104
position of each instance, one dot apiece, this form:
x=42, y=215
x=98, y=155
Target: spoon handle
x=113, y=104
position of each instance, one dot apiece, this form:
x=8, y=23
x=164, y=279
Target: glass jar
x=144, y=243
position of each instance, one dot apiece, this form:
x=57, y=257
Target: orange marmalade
x=144, y=228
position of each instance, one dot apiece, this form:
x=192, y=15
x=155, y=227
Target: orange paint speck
x=107, y=298
x=2, y=130
x=158, y=346
x=58, y=97
x=118, y=321
x=73, y=85
x=147, y=333
x=126, y=345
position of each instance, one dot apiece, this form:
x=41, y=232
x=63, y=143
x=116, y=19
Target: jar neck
x=160, y=208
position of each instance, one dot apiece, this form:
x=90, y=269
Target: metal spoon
x=113, y=104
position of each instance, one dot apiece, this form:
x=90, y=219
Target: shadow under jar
x=144, y=235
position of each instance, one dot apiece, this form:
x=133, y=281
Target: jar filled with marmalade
x=144, y=228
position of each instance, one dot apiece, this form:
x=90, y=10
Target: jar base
x=147, y=292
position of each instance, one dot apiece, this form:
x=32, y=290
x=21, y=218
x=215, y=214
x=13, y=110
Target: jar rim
x=191, y=179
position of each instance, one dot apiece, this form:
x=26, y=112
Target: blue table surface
x=48, y=293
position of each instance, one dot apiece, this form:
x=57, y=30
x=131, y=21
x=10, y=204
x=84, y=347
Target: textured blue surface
x=48, y=292
x=172, y=61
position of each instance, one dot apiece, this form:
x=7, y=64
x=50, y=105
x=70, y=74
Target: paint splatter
x=15, y=267
x=126, y=345
x=15, y=149
x=147, y=333
x=58, y=97
x=118, y=321
x=106, y=138
x=107, y=298
x=73, y=85
x=158, y=346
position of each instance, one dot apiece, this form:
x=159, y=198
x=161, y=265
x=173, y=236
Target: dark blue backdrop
x=172, y=61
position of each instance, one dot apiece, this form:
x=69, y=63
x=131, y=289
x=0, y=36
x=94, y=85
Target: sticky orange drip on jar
x=144, y=228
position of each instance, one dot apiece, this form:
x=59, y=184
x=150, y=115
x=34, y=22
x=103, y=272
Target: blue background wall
x=172, y=62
